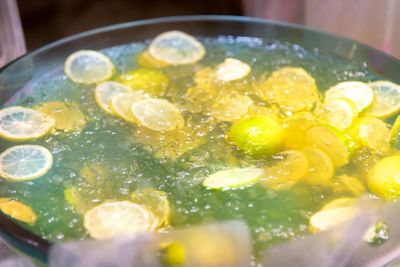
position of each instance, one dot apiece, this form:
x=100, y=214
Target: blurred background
x=370, y=21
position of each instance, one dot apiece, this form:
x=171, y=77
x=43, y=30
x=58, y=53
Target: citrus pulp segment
x=233, y=178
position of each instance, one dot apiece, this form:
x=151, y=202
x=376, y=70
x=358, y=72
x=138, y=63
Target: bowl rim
x=9, y=229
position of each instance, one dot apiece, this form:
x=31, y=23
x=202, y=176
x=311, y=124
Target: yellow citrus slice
x=105, y=91
x=292, y=89
x=373, y=133
x=25, y=162
x=176, y=48
x=232, y=69
x=233, y=178
x=21, y=124
x=295, y=128
x=156, y=201
x=347, y=183
x=121, y=104
x=342, y=202
x=387, y=99
x=18, y=210
x=118, y=218
x=320, y=167
x=333, y=142
x=88, y=66
x=144, y=59
x=338, y=112
x=395, y=131
x=327, y=218
x=151, y=81
x=357, y=92
x=289, y=167
x=67, y=116
x=157, y=114
x=230, y=107
x=383, y=179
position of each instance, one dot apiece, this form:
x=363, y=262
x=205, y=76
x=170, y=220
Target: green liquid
x=273, y=217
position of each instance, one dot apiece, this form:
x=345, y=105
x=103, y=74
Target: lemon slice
x=231, y=107
x=333, y=142
x=157, y=114
x=25, y=162
x=373, y=133
x=233, y=178
x=105, y=91
x=18, y=210
x=357, y=92
x=320, y=167
x=88, y=66
x=118, y=218
x=232, y=69
x=338, y=112
x=387, y=99
x=121, y=104
x=295, y=128
x=289, y=168
x=383, y=178
x=68, y=117
x=20, y=124
x=395, y=131
x=326, y=219
x=176, y=48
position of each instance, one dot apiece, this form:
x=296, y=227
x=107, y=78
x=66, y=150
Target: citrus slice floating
x=395, y=131
x=295, y=128
x=105, y=91
x=333, y=142
x=349, y=184
x=232, y=69
x=21, y=124
x=88, y=66
x=387, y=99
x=118, y=218
x=233, y=178
x=357, y=92
x=25, y=162
x=157, y=114
x=176, y=48
x=121, y=104
x=289, y=168
x=144, y=59
x=67, y=116
x=338, y=112
x=320, y=167
x=18, y=210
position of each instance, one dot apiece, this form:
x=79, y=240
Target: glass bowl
x=16, y=74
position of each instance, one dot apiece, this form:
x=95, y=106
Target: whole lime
x=257, y=136
x=384, y=178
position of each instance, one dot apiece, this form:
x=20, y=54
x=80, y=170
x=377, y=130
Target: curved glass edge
x=37, y=247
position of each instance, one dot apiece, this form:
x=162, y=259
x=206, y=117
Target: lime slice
x=230, y=107
x=21, y=124
x=88, y=66
x=156, y=201
x=289, y=168
x=373, y=133
x=157, y=114
x=338, y=112
x=292, y=89
x=295, y=128
x=121, y=104
x=18, y=210
x=68, y=117
x=333, y=142
x=326, y=219
x=232, y=69
x=105, y=91
x=176, y=48
x=151, y=81
x=25, y=162
x=257, y=136
x=395, y=131
x=383, y=179
x=320, y=167
x=387, y=99
x=357, y=92
x=233, y=178
x=118, y=218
